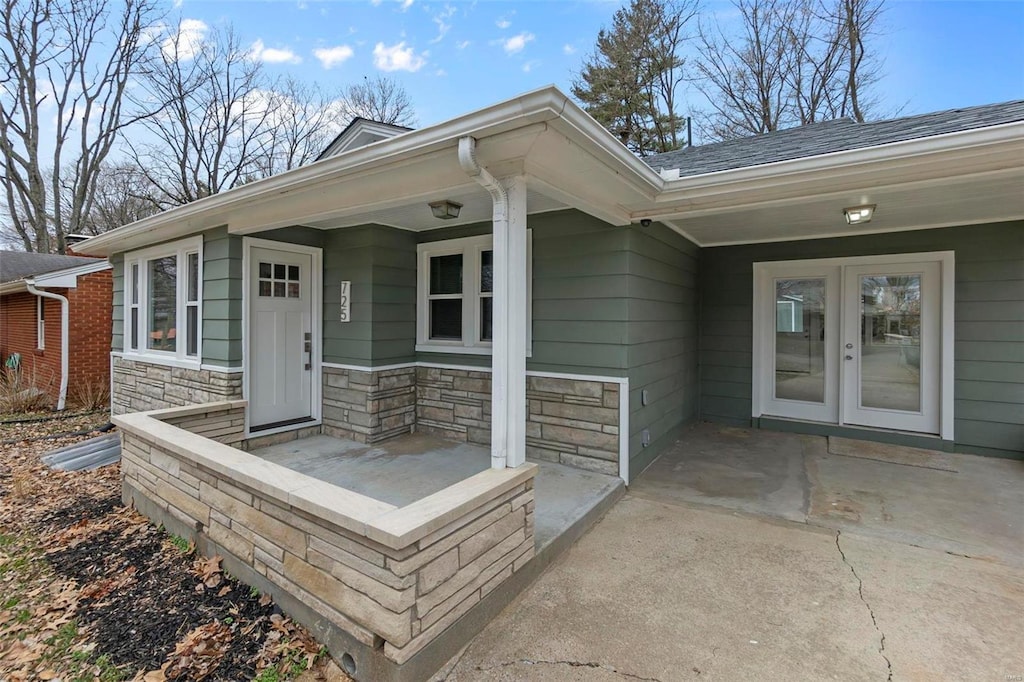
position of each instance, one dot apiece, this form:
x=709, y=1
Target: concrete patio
x=762, y=556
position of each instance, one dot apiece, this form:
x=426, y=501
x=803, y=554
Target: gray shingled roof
x=19, y=265
x=830, y=136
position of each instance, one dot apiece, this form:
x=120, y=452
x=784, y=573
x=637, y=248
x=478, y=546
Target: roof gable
x=359, y=133
x=830, y=136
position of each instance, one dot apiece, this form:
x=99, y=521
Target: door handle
x=308, y=338
x=849, y=357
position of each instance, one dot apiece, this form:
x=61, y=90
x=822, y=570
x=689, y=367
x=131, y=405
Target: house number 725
x=346, y=302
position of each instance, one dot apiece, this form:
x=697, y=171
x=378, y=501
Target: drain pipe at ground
x=31, y=286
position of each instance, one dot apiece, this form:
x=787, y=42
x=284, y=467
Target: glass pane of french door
x=800, y=339
x=890, y=342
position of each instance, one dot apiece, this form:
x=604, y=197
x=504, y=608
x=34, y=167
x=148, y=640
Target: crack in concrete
x=871, y=612
x=571, y=664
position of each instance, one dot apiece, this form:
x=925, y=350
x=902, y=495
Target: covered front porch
x=394, y=553
x=409, y=468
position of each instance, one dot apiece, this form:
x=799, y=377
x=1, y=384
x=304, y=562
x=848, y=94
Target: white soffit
x=476, y=207
x=991, y=198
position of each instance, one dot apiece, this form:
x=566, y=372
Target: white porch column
x=512, y=304
x=508, y=353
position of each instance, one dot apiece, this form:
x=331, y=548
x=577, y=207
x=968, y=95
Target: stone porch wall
x=390, y=579
x=369, y=406
x=570, y=421
x=139, y=386
x=224, y=425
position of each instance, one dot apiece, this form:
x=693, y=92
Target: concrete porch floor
x=961, y=504
x=405, y=469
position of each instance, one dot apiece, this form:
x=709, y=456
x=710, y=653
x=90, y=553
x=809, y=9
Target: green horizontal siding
x=380, y=262
x=117, y=328
x=662, y=337
x=988, y=328
x=222, y=298
x=579, y=300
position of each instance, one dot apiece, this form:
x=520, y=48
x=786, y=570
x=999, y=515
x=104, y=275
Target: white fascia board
x=760, y=180
x=533, y=107
x=69, y=277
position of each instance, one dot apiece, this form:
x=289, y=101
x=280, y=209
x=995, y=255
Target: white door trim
x=316, y=325
x=947, y=285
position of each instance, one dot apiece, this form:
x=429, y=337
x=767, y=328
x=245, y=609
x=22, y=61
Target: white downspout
x=64, y=335
x=499, y=349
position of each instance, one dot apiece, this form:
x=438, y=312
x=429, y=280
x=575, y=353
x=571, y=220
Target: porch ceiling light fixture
x=445, y=209
x=859, y=214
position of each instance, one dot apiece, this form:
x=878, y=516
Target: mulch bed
x=90, y=590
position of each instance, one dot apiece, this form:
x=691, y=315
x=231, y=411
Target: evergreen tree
x=630, y=84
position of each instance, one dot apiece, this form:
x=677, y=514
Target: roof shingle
x=16, y=265
x=830, y=136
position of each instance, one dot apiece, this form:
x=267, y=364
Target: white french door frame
x=763, y=344
x=316, y=325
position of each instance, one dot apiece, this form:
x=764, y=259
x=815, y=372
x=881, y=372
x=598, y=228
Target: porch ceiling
x=989, y=197
x=416, y=216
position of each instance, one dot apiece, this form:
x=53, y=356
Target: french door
x=851, y=341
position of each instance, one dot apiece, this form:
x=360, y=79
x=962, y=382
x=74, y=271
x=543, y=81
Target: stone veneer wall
x=393, y=599
x=139, y=386
x=571, y=421
x=369, y=406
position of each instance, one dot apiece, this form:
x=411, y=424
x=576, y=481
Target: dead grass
x=90, y=590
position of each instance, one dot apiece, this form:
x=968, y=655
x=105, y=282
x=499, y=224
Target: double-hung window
x=455, y=306
x=162, y=298
x=40, y=323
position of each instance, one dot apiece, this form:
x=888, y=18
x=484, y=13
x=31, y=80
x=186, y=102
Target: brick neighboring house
x=30, y=324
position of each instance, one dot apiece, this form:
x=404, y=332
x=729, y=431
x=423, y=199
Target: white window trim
x=179, y=357
x=471, y=248
x=40, y=323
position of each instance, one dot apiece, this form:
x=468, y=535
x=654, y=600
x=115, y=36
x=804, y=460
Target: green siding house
x=517, y=279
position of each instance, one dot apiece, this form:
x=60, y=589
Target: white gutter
x=499, y=369
x=64, y=337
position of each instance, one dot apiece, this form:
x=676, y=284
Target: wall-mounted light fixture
x=859, y=214
x=445, y=209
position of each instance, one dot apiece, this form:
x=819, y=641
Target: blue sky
x=454, y=57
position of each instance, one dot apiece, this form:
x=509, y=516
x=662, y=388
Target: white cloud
x=406, y=4
x=516, y=43
x=273, y=55
x=397, y=57
x=441, y=19
x=531, y=65
x=187, y=42
x=568, y=49
x=503, y=23
x=440, y=73
x=463, y=44
x=333, y=56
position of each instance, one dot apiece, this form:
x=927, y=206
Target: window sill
x=459, y=350
x=162, y=360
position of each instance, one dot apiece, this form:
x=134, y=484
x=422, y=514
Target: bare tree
x=379, y=99
x=793, y=62
x=304, y=118
x=122, y=195
x=215, y=122
x=64, y=69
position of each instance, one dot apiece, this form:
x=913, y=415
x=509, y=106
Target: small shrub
x=26, y=389
x=90, y=394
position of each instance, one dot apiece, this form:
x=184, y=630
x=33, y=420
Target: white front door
x=280, y=362
x=850, y=341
